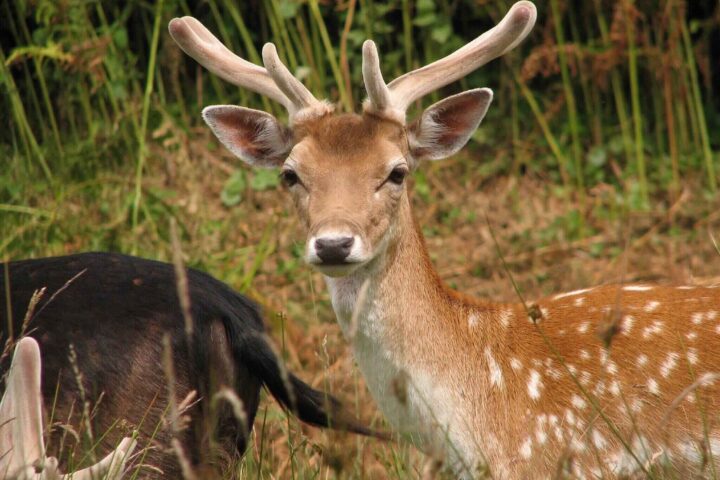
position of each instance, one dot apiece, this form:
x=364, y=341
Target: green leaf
x=288, y=8
x=120, y=38
x=264, y=180
x=234, y=187
x=424, y=20
x=597, y=157
x=441, y=33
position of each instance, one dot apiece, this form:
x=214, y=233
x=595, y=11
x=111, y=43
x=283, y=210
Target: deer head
x=346, y=172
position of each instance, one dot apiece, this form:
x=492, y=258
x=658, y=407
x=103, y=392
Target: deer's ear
x=445, y=127
x=253, y=136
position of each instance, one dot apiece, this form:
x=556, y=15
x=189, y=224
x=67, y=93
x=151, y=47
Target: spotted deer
x=610, y=381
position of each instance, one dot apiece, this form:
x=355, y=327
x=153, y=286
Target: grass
x=597, y=152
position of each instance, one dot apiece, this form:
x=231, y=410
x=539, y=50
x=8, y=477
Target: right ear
x=253, y=136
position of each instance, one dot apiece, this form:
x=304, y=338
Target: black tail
x=309, y=405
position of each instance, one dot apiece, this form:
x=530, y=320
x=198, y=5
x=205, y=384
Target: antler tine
x=378, y=92
x=198, y=42
x=290, y=86
x=404, y=90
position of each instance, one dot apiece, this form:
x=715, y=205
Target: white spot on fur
x=693, y=451
x=603, y=356
x=515, y=364
x=570, y=294
x=473, y=320
x=707, y=379
x=651, y=306
x=611, y=368
x=578, y=402
x=577, y=447
x=636, y=405
x=505, y=316
x=598, y=440
x=692, y=355
x=526, y=449
x=653, y=386
x=579, y=301
x=534, y=385
x=545, y=313
x=655, y=328
x=637, y=288
x=697, y=318
x=569, y=417
x=584, y=355
x=584, y=378
x=583, y=327
x=669, y=364
x=599, y=388
x=540, y=435
x=628, y=322
x=624, y=464
x=496, y=376
x=691, y=336
x=711, y=315
x=615, y=388
x=686, y=287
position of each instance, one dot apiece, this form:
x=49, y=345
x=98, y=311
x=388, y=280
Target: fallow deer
x=111, y=313
x=523, y=390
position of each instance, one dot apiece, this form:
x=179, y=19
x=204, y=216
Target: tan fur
x=524, y=396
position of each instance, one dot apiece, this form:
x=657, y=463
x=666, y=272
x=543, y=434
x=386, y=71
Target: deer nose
x=334, y=249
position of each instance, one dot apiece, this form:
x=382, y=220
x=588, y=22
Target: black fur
x=115, y=314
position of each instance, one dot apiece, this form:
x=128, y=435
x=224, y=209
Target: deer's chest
x=417, y=402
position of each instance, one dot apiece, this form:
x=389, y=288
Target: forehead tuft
x=348, y=134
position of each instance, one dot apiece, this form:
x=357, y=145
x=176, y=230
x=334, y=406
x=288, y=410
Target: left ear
x=445, y=127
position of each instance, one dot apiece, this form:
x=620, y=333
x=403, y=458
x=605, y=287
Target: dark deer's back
x=114, y=310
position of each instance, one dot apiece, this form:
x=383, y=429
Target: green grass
x=607, y=121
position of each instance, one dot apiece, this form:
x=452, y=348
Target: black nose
x=333, y=250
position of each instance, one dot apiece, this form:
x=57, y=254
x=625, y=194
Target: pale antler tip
x=27, y=348
x=270, y=56
x=368, y=45
x=174, y=26
x=523, y=11
x=180, y=29
x=369, y=56
x=269, y=49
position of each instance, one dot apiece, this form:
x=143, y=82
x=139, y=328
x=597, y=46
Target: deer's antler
x=21, y=430
x=274, y=81
x=392, y=100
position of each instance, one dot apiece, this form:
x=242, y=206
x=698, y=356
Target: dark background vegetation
x=597, y=162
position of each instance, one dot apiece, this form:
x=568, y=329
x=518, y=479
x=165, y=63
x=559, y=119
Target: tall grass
x=84, y=88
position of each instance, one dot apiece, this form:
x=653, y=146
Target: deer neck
x=396, y=294
x=404, y=327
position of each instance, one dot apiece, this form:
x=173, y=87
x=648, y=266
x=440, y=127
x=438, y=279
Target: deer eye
x=289, y=178
x=397, y=175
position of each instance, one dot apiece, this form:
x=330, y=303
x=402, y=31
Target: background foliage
x=597, y=161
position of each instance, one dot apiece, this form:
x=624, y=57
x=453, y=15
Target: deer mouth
x=340, y=268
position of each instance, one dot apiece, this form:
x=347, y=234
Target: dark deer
x=113, y=312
